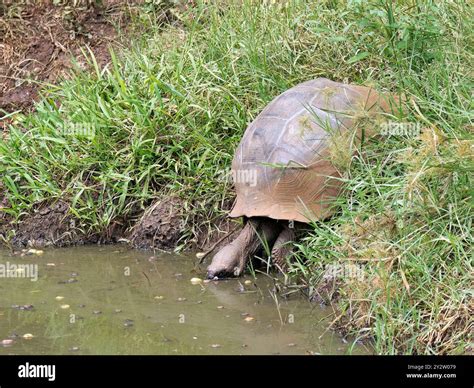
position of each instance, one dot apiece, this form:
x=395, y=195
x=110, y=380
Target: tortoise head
x=226, y=263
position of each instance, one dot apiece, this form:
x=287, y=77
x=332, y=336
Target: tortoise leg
x=283, y=247
x=231, y=259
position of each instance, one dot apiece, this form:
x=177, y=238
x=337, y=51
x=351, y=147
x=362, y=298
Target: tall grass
x=167, y=114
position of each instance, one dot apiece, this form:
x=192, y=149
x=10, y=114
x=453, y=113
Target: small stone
x=249, y=319
x=291, y=345
x=244, y=314
x=128, y=323
x=74, y=349
x=200, y=255
x=96, y=312
x=215, y=346
x=196, y=281
x=74, y=274
x=36, y=252
x=72, y=280
x=27, y=307
x=220, y=307
x=50, y=264
x=159, y=297
x=248, y=282
x=181, y=299
x=65, y=306
x=28, y=336
x=59, y=298
x=7, y=342
x=117, y=311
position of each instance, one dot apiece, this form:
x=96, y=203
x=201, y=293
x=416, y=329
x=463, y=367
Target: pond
x=114, y=300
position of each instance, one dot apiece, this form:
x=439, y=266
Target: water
x=113, y=300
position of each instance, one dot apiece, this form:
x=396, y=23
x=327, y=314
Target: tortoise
x=282, y=170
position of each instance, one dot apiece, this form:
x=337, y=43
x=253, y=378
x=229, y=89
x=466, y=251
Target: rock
x=181, y=299
x=249, y=319
x=28, y=336
x=248, y=282
x=200, y=255
x=215, y=346
x=65, y=306
x=128, y=323
x=59, y=298
x=7, y=342
x=159, y=297
x=26, y=307
x=36, y=252
x=96, y=312
x=196, y=281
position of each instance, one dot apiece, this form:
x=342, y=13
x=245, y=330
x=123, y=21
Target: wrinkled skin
x=232, y=258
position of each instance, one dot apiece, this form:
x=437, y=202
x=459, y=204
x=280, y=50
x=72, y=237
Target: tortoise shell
x=281, y=168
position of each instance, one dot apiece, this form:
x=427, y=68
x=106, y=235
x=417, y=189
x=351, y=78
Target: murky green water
x=113, y=300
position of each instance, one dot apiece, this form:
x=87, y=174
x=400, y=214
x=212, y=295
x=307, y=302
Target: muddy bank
x=164, y=225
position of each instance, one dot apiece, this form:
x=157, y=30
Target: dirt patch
x=48, y=225
x=38, y=39
x=160, y=227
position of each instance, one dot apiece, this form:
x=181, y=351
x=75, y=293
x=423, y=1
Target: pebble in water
x=220, y=307
x=196, y=281
x=215, y=346
x=36, y=252
x=65, y=306
x=117, y=311
x=28, y=336
x=249, y=319
x=159, y=297
x=128, y=323
x=248, y=282
x=26, y=307
x=59, y=297
x=74, y=349
x=7, y=342
x=181, y=299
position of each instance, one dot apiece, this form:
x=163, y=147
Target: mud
x=160, y=227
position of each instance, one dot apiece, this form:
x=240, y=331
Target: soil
x=38, y=39
x=160, y=227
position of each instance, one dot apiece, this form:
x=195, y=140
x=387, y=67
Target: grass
x=166, y=115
